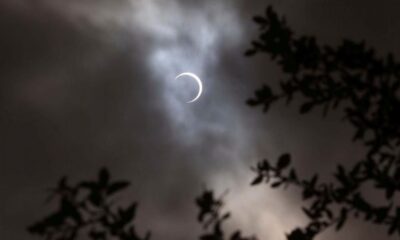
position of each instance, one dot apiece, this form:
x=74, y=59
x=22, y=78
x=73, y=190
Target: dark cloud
x=88, y=84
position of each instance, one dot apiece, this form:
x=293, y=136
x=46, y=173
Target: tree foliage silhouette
x=348, y=78
x=212, y=218
x=88, y=208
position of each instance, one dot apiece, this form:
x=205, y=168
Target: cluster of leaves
x=87, y=208
x=331, y=203
x=327, y=76
x=368, y=89
x=212, y=218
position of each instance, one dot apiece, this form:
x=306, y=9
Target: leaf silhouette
x=283, y=161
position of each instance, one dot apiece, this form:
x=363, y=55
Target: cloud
x=91, y=83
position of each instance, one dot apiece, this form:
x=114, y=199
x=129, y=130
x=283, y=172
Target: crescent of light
x=198, y=82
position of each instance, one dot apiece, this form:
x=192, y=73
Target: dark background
x=86, y=84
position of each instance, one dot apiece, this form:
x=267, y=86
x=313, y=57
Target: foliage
x=88, y=208
x=348, y=78
x=211, y=218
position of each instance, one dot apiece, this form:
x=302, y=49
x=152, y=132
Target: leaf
x=88, y=185
x=250, y=52
x=236, y=235
x=104, y=177
x=69, y=209
x=276, y=184
x=283, y=161
x=293, y=175
x=381, y=214
x=329, y=213
x=308, y=213
x=62, y=183
x=257, y=45
x=252, y=102
x=207, y=237
x=259, y=20
x=342, y=219
x=225, y=216
x=306, y=107
x=390, y=192
x=95, y=234
x=263, y=165
x=307, y=193
x=392, y=228
x=257, y=180
x=314, y=181
x=117, y=186
x=95, y=198
x=128, y=214
x=297, y=234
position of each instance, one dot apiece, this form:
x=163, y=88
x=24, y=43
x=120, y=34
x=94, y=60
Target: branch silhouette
x=348, y=78
x=87, y=208
x=212, y=218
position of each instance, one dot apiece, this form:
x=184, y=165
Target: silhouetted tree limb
x=212, y=218
x=327, y=76
x=88, y=208
x=367, y=88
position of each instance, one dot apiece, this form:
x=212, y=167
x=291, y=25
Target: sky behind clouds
x=86, y=84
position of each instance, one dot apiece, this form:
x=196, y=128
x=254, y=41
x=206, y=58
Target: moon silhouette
x=198, y=81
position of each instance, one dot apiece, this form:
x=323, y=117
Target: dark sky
x=86, y=84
